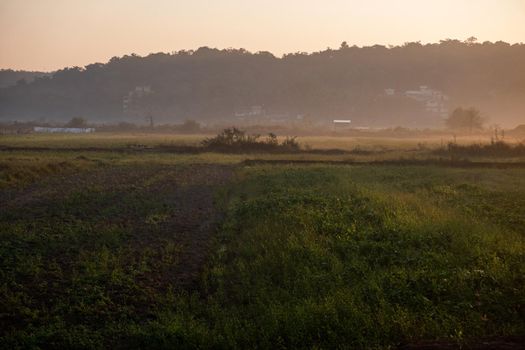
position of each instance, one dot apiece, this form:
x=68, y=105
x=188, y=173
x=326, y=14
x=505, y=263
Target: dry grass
x=113, y=139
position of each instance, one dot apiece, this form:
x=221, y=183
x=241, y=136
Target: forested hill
x=10, y=77
x=365, y=84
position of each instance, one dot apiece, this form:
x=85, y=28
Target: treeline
x=210, y=84
x=237, y=140
x=9, y=77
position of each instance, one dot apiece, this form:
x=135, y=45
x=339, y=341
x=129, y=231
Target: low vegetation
x=236, y=140
x=493, y=149
x=320, y=257
x=122, y=254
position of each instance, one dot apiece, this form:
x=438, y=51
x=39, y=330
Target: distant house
x=41, y=129
x=130, y=100
x=435, y=101
x=341, y=123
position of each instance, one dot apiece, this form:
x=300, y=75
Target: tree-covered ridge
x=349, y=82
x=9, y=77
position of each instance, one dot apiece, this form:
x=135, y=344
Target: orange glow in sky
x=52, y=34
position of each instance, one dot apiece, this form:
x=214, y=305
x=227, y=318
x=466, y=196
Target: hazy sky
x=52, y=34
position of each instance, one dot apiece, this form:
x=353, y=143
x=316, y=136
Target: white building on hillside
x=435, y=101
x=131, y=99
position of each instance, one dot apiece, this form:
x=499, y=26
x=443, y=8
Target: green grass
x=320, y=257
x=305, y=257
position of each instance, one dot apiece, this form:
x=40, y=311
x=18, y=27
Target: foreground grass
x=306, y=257
x=323, y=257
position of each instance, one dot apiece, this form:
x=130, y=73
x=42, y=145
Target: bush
x=236, y=140
x=290, y=144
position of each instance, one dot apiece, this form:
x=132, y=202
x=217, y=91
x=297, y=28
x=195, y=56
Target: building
x=341, y=123
x=130, y=101
x=41, y=129
x=434, y=100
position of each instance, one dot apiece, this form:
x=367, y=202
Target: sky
x=47, y=35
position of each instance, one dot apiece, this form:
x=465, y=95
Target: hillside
x=9, y=77
x=366, y=84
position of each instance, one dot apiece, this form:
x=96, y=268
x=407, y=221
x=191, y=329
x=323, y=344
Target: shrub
x=236, y=140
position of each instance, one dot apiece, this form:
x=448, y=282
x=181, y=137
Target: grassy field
x=113, y=139
x=103, y=249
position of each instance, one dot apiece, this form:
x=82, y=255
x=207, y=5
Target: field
x=103, y=245
x=114, y=139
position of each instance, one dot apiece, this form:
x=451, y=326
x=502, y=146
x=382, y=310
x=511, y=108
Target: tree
x=469, y=118
x=472, y=40
x=76, y=122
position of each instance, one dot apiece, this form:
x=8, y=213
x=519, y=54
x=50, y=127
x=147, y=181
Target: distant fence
x=63, y=130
